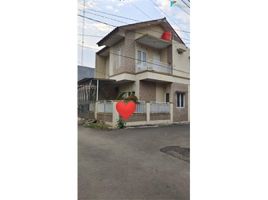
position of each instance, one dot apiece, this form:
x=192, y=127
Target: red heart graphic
x=125, y=110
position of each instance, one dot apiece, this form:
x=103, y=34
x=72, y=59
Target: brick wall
x=128, y=65
x=147, y=91
x=159, y=116
x=87, y=115
x=106, y=117
x=127, y=47
x=137, y=117
x=179, y=114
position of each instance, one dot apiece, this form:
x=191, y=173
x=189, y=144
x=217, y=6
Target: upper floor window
x=141, y=57
x=180, y=99
x=117, y=60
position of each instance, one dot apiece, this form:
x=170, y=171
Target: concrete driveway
x=128, y=164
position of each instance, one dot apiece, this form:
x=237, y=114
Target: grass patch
x=97, y=125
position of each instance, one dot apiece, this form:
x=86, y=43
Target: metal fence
x=140, y=107
x=159, y=107
x=105, y=106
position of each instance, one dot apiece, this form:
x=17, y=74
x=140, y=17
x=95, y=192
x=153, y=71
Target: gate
x=86, y=100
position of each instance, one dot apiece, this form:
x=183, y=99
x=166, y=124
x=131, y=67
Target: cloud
x=109, y=7
x=94, y=27
x=101, y=27
x=89, y=46
x=88, y=4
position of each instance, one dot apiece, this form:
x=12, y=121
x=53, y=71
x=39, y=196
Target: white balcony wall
x=153, y=66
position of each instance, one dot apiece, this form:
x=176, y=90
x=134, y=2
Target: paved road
x=127, y=164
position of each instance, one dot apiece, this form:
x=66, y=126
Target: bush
x=121, y=123
x=132, y=98
x=96, y=124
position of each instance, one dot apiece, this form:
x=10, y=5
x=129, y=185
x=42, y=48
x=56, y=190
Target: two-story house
x=144, y=63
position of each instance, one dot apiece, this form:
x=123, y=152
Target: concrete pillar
x=97, y=95
x=188, y=93
x=171, y=112
x=115, y=114
x=137, y=92
x=148, y=112
x=96, y=109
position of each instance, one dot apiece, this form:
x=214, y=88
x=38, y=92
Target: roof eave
x=102, y=41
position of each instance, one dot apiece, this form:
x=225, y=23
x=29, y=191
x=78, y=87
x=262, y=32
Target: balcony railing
x=153, y=65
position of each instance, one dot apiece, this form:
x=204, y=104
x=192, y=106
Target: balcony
x=153, y=42
x=153, y=65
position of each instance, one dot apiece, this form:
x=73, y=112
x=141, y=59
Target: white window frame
x=118, y=58
x=180, y=95
x=141, y=62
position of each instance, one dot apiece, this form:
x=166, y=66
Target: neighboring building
x=85, y=72
x=143, y=63
x=92, y=90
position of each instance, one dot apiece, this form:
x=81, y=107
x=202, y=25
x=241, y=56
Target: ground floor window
x=167, y=97
x=180, y=99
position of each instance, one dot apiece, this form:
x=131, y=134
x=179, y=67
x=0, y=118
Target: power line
x=140, y=10
x=106, y=17
x=166, y=13
x=118, y=21
x=183, y=31
x=97, y=20
x=182, y=8
x=83, y=32
x=125, y=18
x=116, y=26
x=185, y=3
x=113, y=15
x=100, y=36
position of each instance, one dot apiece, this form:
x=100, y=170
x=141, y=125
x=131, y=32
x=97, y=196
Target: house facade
x=144, y=63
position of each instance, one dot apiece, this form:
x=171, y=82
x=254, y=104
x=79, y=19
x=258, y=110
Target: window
x=141, y=57
x=117, y=59
x=167, y=97
x=180, y=99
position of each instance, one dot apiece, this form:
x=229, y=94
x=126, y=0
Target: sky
x=138, y=10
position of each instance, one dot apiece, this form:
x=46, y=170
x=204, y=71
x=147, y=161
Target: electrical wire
x=122, y=17
x=105, y=17
x=100, y=36
x=139, y=9
x=113, y=25
x=83, y=32
x=165, y=14
x=96, y=20
x=113, y=15
x=185, y=3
